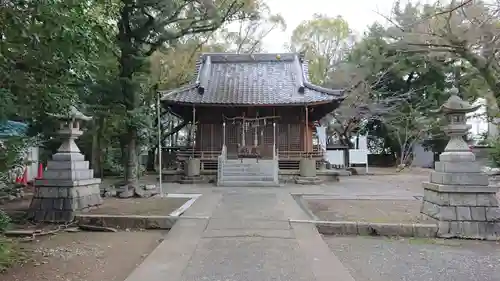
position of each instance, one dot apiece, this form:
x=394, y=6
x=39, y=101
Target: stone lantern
x=68, y=185
x=457, y=195
x=455, y=110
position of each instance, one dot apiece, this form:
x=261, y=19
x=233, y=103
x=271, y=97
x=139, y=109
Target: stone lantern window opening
x=76, y=124
x=456, y=118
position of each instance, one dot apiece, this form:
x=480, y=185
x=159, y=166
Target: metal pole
x=159, y=146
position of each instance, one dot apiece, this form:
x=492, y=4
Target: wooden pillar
x=193, y=124
x=223, y=133
x=243, y=137
x=306, y=132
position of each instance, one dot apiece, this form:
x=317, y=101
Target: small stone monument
x=68, y=185
x=458, y=195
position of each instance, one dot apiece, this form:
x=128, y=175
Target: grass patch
x=10, y=253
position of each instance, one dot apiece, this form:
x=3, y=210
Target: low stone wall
x=127, y=221
x=376, y=229
x=285, y=176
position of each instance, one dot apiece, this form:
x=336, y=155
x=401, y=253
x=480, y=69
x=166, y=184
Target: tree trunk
x=131, y=177
x=130, y=61
x=345, y=140
x=150, y=166
x=95, y=162
x=97, y=140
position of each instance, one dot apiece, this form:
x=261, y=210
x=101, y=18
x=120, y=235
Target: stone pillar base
x=192, y=167
x=60, y=204
x=469, y=212
x=308, y=180
x=191, y=180
x=307, y=172
x=307, y=167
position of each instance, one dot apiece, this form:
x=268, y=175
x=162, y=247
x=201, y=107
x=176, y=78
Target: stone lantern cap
x=73, y=114
x=456, y=105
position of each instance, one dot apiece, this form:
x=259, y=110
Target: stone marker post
x=68, y=185
x=458, y=195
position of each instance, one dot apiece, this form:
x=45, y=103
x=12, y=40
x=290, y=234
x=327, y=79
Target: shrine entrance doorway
x=255, y=137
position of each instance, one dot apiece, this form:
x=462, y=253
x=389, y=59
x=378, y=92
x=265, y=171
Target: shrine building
x=253, y=117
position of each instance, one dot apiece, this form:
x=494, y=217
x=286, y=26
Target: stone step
x=250, y=170
x=247, y=168
x=233, y=172
x=248, y=183
x=250, y=165
x=261, y=162
x=247, y=178
x=247, y=174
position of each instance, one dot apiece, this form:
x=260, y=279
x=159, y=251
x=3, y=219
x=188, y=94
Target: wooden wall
x=290, y=129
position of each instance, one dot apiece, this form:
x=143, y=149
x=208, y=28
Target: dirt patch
x=111, y=206
x=84, y=256
x=139, y=206
x=393, y=171
x=379, y=211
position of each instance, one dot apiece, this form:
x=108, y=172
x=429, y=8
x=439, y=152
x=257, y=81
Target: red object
x=40, y=172
x=18, y=179
x=24, y=180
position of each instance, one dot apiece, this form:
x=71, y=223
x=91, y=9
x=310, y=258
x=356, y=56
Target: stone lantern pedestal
x=68, y=185
x=307, y=172
x=191, y=172
x=458, y=195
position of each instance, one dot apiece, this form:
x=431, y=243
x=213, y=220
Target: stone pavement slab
x=264, y=233
x=248, y=236
x=168, y=260
x=326, y=267
x=204, y=205
x=217, y=223
x=237, y=206
x=248, y=259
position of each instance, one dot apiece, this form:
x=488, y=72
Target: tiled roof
x=251, y=79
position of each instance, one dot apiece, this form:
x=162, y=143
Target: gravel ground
x=84, y=256
x=139, y=206
x=384, y=259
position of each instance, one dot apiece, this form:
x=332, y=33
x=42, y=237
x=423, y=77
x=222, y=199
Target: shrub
x=7, y=246
x=494, y=152
x=4, y=221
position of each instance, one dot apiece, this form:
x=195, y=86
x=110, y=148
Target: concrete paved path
x=242, y=235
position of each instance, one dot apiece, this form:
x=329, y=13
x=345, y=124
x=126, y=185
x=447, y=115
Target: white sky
x=358, y=13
